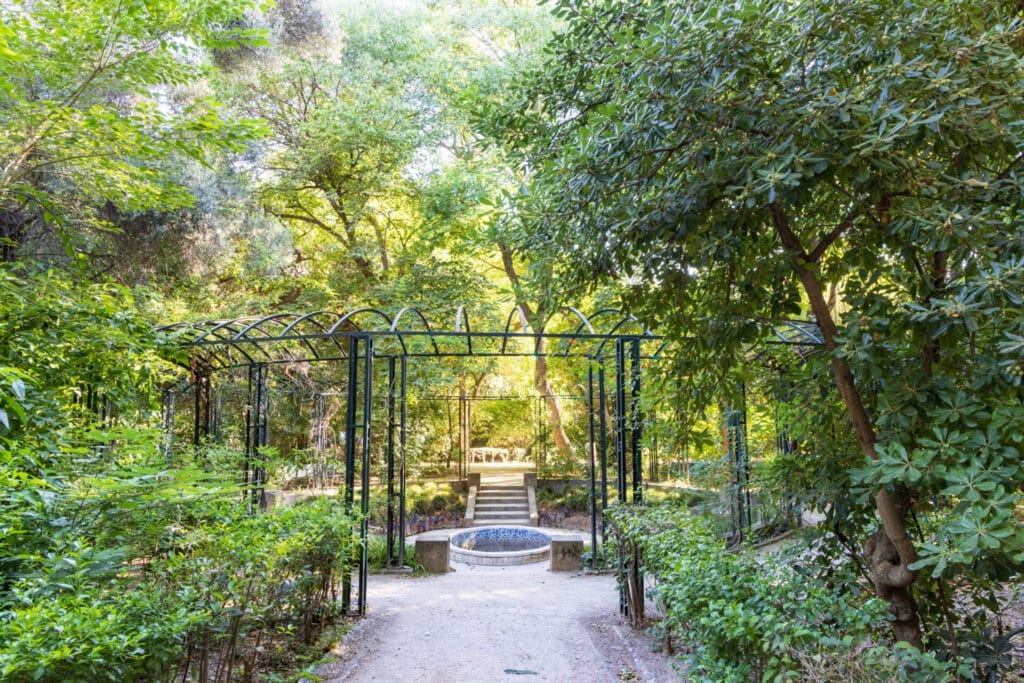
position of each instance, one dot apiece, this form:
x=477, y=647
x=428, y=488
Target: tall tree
x=86, y=117
x=732, y=163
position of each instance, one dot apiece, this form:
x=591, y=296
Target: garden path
x=519, y=623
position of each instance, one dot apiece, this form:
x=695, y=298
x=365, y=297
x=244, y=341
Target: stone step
x=522, y=507
x=501, y=504
x=501, y=521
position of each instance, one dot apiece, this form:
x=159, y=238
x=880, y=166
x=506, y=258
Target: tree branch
x=819, y=249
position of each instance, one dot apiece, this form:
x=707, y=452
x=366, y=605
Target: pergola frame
x=362, y=338
x=606, y=340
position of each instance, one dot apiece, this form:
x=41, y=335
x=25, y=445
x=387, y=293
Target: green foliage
x=84, y=112
x=377, y=548
x=115, y=563
x=734, y=164
x=94, y=636
x=225, y=586
x=743, y=617
x=63, y=343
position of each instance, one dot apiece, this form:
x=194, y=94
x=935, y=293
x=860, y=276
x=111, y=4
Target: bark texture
x=892, y=551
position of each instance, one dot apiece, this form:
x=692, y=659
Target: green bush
x=116, y=564
x=225, y=590
x=745, y=617
x=99, y=635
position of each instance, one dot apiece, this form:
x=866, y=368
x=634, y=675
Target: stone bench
x=433, y=554
x=566, y=553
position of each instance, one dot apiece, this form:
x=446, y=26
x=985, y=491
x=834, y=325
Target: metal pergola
x=608, y=341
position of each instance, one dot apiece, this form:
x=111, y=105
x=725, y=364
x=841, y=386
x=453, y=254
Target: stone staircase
x=501, y=504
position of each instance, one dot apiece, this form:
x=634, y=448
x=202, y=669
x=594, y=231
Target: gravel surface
x=519, y=623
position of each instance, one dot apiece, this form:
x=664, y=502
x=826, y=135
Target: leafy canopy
x=87, y=108
x=723, y=161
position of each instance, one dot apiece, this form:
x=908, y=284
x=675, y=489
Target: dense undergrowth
x=738, y=616
x=118, y=563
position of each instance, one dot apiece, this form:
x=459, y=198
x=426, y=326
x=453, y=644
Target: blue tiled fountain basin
x=500, y=545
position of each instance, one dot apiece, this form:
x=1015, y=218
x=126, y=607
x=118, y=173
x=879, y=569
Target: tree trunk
x=890, y=553
x=540, y=382
x=382, y=246
x=463, y=424
x=540, y=376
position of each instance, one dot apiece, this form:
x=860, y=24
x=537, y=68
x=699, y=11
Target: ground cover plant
x=734, y=616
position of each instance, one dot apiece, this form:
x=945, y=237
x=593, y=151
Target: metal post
x=167, y=403
x=392, y=390
x=620, y=417
x=364, y=555
x=320, y=430
x=402, y=434
x=739, y=459
x=215, y=413
x=590, y=458
x=602, y=415
x=248, y=447
x=636, y=428
x=621, y=445
x=201, y=426
x=257, y=439
x=350, y=456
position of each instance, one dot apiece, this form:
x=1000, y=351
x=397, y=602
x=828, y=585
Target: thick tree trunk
x=893, y=551
x=540, y=377
x=540, y=382
x=464, y=436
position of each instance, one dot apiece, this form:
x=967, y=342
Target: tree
x=354, y=123
x=86, y=113
x=731, y=164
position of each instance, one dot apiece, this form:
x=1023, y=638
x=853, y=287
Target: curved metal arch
x=218, y=325
x=311, y=317
x=508, y=324
x=627, y=318
x=315, y=335
x=584, y=322
x=183, y=328
x=462, y=314
x=217, y=331
x=423, y=318
x=276, y=319
x=810, y=332
x=350, y=319
x=583, y=319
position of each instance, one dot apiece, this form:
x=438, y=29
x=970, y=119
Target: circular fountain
x=500, y=545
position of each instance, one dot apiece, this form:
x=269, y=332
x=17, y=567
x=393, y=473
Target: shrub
x=99, y=635
x=744, y=617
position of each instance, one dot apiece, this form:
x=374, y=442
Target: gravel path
x=521, y=623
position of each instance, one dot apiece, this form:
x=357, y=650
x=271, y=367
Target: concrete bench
x=433, y=554
x=566, y=553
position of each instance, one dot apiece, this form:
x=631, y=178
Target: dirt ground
x=521, y=623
